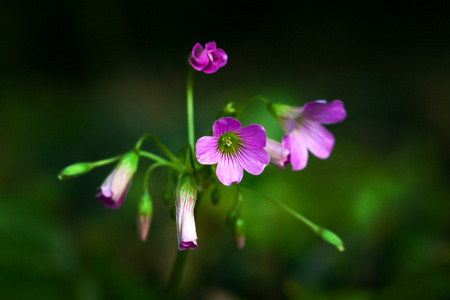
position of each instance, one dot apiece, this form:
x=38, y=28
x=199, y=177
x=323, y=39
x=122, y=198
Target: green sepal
x=278, y=109
x=75, y=170
x=130, y=160
x=186, y=186
x=145, y=204
x=239, y=227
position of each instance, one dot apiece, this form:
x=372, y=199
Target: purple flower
x=186, y=195
x=279, y=156
x=233, y=149
x=114, y=189
x=209, y=59
x=304, y=131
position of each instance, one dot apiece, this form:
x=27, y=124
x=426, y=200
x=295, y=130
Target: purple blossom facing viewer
x=279, y=156
x=186, y=196
x=234, y=149
x=115, y=188
x=208, y=59
x=304, y=131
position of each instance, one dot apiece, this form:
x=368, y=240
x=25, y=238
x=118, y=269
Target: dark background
x=82, y=82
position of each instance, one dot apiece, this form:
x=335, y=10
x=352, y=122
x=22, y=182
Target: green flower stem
x=149, y=171
x=158, y=143
x=324, y=233
x=190, y=106
x=247, y=101
x=175, y=276
x=106, y=161
x=176, y=166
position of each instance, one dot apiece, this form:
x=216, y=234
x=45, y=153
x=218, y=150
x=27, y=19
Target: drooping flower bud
x=114, y=189
x=75, y=170
x=185, y=198
x=239, y=233
x=330, y=237
x=144, y=215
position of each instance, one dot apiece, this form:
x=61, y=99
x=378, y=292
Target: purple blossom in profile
x=115, y=188
x=234, y=149
x=208, y=59
x=279, y=156
x=304, y=131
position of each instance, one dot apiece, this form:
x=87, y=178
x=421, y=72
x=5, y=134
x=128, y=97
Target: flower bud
x=75, y=170
x=330, y=237
x=115, y=187
x=228, y=111
x=185, y=198
x=144, y=215
x=239, y=233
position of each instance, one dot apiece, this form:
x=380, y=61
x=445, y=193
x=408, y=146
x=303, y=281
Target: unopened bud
x=115, y=187
x=228, y=111
x=144, y=215
x=331, y=238
x=75, y=170
x=185, y=198
x=239, y=233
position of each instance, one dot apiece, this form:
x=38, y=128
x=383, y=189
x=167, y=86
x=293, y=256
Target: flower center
x=229, y=143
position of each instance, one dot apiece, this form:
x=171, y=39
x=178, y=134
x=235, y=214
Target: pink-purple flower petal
x=210, y=46
x=207, y=152
x=219, y=57
x=229, y=170
x=199, y=57
x=253, y=160
x=224, y=125
x=211, y=67
x=317, y=139
x=253, y=136
x=298, y=153
x=326, y=113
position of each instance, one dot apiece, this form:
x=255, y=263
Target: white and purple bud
x=185, y=198
x=279, y=156
x=115, y=188
x=144, y=218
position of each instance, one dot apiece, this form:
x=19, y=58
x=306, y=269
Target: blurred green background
x=82, y=81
